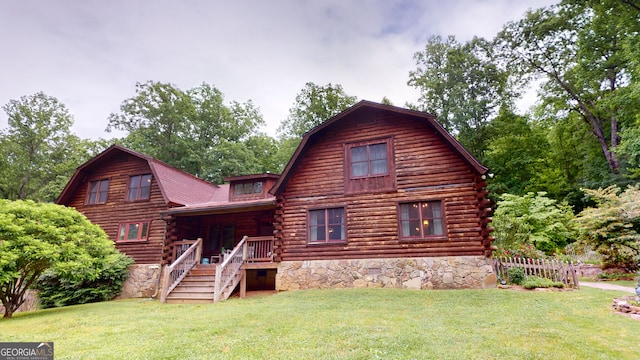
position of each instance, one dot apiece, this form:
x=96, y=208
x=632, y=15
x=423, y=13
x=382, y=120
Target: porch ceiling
x=222, y=207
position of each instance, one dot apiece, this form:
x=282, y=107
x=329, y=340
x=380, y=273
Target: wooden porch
x=193, y=279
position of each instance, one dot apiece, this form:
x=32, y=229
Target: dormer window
x=247, y=188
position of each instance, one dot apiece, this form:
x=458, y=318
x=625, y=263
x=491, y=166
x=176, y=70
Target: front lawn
x=343, y=324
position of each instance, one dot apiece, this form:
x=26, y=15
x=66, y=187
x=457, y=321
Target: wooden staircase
x=196, y=288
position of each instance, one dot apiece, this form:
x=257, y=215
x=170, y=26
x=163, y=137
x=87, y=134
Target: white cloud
x=90, y=54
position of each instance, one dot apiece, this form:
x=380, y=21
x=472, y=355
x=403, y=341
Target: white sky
x=89, y=54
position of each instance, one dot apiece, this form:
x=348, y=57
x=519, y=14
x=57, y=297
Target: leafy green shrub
x=613, y=227
x=101, y=281
x=39, y=238
x=516, y=275
x=520, y=251
x=614, y=274
x=532, y=282
x=532, y=219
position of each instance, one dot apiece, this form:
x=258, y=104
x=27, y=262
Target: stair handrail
x=178, y=270
x=228, y=270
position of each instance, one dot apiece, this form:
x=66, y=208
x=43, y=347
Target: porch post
x=243, y=283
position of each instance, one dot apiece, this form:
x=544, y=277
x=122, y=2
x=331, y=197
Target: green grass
x=342, y=324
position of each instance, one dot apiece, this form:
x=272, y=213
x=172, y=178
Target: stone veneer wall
x=142, y=281
x=456, y=272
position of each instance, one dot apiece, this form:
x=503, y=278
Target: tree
x=40, y=237
x=613, y=227
x=463, y=86
x=516, y=154
x=38, y=153
x=314, y=104
x=577, y=48
x=157, y=120
x=193, y=130
x=532, y=219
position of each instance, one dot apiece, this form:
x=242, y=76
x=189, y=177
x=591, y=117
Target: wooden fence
x=555, y=270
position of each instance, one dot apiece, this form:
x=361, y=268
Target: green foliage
x=195, y=130
x=615, y=275
x=516, y=275
x=526, y=251
x=38, y=153
x=582, y=51
x=533, y=282
x=516, y=154
x=613, y=227
x=532, y=219
x=463, y=86
x=101, y=280
x=40, y=237
x=314, y=104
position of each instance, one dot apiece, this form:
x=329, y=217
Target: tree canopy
x=193, y=130
x=463, y=86
x=38, y=152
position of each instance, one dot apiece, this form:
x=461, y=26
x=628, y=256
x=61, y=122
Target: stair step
x=193, y=289
x=190, y=278
x=202, y=272
x=197, y=283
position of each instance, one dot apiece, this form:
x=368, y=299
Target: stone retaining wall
x=460, y=272
x=142, y=281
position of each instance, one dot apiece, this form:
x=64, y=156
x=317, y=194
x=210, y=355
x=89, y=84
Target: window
x=369, y=160
x=369, y=166
x=98, y=191
x=247, y=188
x=419, y=220
x=133, y=231
x=139, y=187
x=327, y=225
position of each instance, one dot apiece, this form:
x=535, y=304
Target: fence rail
x=555, y=270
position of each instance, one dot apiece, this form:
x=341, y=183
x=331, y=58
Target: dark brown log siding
x=426, y=169
x=117, y=210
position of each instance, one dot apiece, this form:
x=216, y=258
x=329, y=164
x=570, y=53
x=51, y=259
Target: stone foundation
x=459, y=272
x=142, y=281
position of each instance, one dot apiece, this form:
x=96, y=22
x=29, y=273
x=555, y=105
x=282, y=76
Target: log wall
x=426, y=168
x=117, y=210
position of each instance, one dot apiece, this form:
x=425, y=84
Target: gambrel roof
x=372, y=108
x=178, y=188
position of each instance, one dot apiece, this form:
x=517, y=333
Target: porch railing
x=259, y=249
x=229, y=273
x=555, y=270
x=175, y=272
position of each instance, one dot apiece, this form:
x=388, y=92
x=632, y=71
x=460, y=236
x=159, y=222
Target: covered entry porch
x=210, y=251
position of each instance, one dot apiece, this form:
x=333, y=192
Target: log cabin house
x=377, y=196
